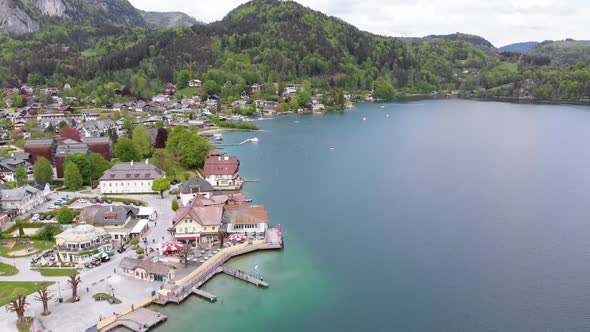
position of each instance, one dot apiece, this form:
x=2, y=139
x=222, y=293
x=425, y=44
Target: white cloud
x=500, y=21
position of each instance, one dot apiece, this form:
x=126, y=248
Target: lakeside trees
x=72, y=177
x=127, y=150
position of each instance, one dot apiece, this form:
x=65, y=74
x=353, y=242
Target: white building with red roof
x=223, y=172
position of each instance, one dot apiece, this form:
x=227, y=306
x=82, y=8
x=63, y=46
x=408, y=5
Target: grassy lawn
x=7, y=270
x=26, y=327
x=37, y=244
x=57, y=272
x=105, y=297
x=187, y=92
x=10, y=289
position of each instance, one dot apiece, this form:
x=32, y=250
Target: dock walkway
x=207, y=295
x=239, y=274
x=140, y=319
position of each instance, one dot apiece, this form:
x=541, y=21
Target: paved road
x=79, y=316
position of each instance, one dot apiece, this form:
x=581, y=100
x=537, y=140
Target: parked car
x=126, y=202
x=50, y=217
x=136, y=203
x=140, y=256
x=58, y=203
x=93, y=201
x=82, y=201
x=36, y=217
x=51, y=207
x=42, y=217
x=108, y=201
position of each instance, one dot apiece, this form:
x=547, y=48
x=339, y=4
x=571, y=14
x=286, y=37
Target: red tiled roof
x=221, y=165
x=245, y=214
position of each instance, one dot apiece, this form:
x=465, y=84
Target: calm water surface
x=447, y=215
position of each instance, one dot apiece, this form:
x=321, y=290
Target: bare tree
x=44, y=297
x=184, y=252
x=74, y=282
x=18, y=305
x=221, y=235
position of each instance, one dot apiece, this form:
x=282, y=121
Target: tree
x=50, y=129
x=182, y=78
x=83, y=163
x=44, y=297
x=159, y=185
x=18, y=305
x=98, y=165
x=384, y=90
x=126, y=150
x=48, y=232
x=134, y=241
x=142, y=140
x=74, y=281
x=161, y=138
x=65, y=216
x=62, y=124
x=19, y=224
x=221, y=236
x=174, y=205
x=72, y=177
x=184, y=252
x=42, y=170
x=21, y=176
x=71, y=133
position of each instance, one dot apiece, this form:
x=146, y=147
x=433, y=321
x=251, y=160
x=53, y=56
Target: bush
x=134, y=241
x=47, y=233
x=139, y=251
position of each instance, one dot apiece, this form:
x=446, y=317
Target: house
x=21, y=200
x=64, y=149
x=102, y=145
x=244, y=95
x=267, y=106
x=8, y=166
x=245, y=219
x=160, y=98
x=222, y=172
x=240, y=103
x=228, y=84
x=197, y=223
x=95, y=128
x=170, y=89
x=195, y=83
x=44, y=188
x=292, y=88
x=130, y=177
x=213, y=103
x=193, y=187
x=121, y=222
x=256, y=87
x=148, y=270
x=79, y=244
x=40, y=148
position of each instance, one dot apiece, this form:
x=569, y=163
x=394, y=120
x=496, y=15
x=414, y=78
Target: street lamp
x=59, y=290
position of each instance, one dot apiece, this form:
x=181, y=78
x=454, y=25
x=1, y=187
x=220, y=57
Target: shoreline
x=183, y=288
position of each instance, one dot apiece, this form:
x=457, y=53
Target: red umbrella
x=237, y=237
x=171, y=246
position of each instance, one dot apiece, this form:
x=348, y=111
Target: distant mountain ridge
x=523, y=47
x=168, y=19
x=19, y=17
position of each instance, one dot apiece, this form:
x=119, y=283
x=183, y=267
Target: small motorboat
x=364, y=119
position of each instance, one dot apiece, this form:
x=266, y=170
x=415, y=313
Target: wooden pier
x=140, y=319
x=202, y=293
x=239, y=274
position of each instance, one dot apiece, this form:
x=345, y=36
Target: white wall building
x=131, y=178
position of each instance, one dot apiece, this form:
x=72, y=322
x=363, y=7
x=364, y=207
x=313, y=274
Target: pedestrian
x=132, y=307
x=87, y=290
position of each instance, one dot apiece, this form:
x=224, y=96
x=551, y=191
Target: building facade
x=130, y=178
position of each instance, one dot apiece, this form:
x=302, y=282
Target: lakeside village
x=94, y=211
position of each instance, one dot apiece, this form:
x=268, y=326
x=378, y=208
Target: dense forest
x=270, y=41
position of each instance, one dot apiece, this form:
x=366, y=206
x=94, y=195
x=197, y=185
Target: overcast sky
x=499, y=21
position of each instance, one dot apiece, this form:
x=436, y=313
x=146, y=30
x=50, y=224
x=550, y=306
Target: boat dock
x=140, y=319
x=202, y=293
x=239, y=274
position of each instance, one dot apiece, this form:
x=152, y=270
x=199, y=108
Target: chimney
x=147, y=161
x=131, y=162
x=111, y=208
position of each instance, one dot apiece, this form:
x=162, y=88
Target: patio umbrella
x=101, y=255
x=171, y=246
x=237, y=237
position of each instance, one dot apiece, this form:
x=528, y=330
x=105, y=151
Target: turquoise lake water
x=448, y=215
